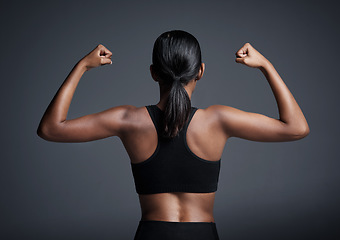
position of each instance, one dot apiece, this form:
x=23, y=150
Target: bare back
x=205, y=139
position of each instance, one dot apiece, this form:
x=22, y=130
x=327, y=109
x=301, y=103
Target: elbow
x=301, y=133
x=44, y=133
x=307, y=131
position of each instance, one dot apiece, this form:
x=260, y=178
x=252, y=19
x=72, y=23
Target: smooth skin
x=207, y=133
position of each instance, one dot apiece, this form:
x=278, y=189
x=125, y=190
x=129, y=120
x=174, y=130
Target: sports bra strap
x=153, y=109
x=193, y=110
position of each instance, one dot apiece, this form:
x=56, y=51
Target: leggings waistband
x=167, y=230
x=176, y=222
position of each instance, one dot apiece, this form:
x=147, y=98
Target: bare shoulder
x=122, y=112
x=126, y=112
x=218, y=109
x=218, y=112
x=132, y=116
x=228, y=113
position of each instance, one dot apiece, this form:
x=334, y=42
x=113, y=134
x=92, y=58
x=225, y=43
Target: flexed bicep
x=291, y=125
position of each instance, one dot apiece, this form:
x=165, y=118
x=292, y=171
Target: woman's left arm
x=54, y=126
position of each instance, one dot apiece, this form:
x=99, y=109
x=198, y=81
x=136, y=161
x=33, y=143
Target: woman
x=175, y=149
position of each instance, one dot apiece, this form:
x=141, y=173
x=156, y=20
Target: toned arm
x=55, y=127
x=291, y=125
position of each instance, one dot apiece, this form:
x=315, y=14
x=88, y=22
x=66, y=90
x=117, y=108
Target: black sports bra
x=173, y=167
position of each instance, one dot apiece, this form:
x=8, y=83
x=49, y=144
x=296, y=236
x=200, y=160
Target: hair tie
x=177, y=78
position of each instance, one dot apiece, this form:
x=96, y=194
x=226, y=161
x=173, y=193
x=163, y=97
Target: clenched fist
x=250, y=57
x=97, y=57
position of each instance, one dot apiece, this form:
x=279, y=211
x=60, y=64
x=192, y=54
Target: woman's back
x=204, y=138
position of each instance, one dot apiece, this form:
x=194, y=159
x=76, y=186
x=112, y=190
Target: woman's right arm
x=291, y=125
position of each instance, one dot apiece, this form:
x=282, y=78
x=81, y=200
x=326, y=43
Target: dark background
x=282, y=190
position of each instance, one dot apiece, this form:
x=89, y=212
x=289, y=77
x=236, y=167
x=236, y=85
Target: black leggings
x=164, y=230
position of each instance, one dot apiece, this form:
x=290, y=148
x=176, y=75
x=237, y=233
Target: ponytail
x=176, y=61
x=177, y=109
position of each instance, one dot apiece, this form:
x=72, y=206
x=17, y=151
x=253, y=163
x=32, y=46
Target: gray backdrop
x=286, y=190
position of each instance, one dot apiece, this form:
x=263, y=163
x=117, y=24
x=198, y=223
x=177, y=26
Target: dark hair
x=176, y=60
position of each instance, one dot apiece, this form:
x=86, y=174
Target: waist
x=177, y=207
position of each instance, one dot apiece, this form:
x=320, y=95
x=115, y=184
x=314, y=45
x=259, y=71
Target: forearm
x=57, y=110
x=289, y=110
